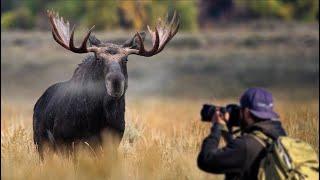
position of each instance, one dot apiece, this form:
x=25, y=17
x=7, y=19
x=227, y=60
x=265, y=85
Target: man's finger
x=226, y=116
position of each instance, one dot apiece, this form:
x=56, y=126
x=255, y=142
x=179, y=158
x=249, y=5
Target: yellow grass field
x=162, y=139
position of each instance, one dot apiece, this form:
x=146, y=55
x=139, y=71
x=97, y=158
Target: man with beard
x=241, y=156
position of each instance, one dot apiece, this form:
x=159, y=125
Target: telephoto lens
x=207, y=112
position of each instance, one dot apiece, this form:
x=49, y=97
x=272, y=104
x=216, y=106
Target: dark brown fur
x=81, y=109
x=92, y=102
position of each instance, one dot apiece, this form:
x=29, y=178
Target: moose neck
x=89, y=71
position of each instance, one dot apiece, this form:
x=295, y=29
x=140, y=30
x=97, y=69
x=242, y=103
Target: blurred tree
x=71, y=8
x=214, y=10
x=265, y=8
x=8, y=5
x=188, y=11
x=136, y=14
x=305, y=10
x=283, y=9
x=20, y=18
x=133, y=14
x=158, y=9
x=36, y=6
x=103, y=14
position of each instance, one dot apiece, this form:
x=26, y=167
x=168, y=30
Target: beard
x=243, y=124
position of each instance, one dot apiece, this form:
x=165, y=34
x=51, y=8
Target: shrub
x=188, y=14
x=20, y=18
x=101, y=13
x=284, y=9
x=71, y=9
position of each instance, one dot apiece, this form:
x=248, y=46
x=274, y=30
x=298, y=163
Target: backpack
x=287, y=158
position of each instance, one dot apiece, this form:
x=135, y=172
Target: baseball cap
x=259, y=102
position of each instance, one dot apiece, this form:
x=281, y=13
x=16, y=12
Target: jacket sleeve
x=225, y=133
x=229, y=159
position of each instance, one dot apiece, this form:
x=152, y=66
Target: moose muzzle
x=115, y=84
x=115, y=80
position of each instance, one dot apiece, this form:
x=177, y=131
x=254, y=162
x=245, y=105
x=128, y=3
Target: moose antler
x=61, y=34
x=163, y=33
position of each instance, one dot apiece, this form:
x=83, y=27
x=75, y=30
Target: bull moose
x=92, y=102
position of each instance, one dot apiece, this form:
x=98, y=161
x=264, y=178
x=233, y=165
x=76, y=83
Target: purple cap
x=259, y=102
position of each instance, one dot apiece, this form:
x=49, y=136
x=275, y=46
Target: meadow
x=163, y=128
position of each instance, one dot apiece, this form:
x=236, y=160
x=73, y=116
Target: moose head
x=114, y=56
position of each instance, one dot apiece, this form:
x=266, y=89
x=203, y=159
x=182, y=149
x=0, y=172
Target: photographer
x=241, y=157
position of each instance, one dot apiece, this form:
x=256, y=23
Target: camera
x=208, y=111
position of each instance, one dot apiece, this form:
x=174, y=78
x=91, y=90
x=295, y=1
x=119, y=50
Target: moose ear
x=93, y=41
x=133, y=43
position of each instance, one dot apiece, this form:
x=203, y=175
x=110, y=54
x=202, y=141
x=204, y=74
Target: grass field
x=163, y=128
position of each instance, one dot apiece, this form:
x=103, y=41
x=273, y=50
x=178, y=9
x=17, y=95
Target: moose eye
x=125, y=59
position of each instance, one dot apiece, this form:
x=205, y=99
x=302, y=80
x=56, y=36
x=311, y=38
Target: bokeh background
x=223, y=47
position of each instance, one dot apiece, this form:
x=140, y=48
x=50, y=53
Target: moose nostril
x=115, y=83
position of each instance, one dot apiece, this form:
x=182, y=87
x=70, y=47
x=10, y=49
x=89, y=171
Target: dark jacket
x=241, y=157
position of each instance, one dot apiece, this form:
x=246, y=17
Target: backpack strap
x=261, y=138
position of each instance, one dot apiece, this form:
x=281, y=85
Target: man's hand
x=220, y=118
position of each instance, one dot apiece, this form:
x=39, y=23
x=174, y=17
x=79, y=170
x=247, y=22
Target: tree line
x=136, y=14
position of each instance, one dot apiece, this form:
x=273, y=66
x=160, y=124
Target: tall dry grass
x=161, y=141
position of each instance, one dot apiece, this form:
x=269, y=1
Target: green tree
x=283, y=9
x=188, y=13
x=103, y=14
x=70, y=8
x=20, y=18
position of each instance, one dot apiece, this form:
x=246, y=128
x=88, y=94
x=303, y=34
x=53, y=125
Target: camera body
x=208, y=111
